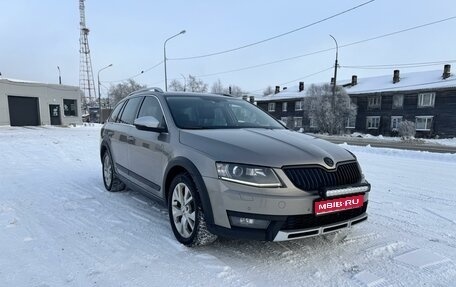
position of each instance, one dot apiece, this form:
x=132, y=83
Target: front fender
x=182, y=162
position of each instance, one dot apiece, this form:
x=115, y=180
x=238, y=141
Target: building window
x=374, y=102
x=423, y=123
x=284, y=106
x=271, y=107
x=398, y=101
x=372, y=122
x=284, y=120
x=395, y=121
x=312, y=122
x=70, y=108
x=297, y=122
x=351, y=120
x=299, y=105
x=426, y=100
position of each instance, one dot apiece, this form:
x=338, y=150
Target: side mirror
x=148, y=123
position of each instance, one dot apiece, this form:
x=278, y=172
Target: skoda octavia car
x=223, y=167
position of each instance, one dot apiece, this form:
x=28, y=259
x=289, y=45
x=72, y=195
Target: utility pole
x=335, y=76
x=164, y=56
x=99, y=92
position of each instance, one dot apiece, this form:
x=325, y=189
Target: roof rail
x=151, y=89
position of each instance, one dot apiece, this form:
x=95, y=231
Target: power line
x=400, y=31
x=404, y=66
x=260, y=65
x=274, y=37
x=136, y=75
x=307, y=76
x=325, y=50
x=300, y=78
x=318, y=51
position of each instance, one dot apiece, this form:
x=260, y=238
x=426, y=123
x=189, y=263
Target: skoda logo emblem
x=328, y=161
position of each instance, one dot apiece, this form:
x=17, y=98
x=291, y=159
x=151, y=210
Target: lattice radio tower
x=86, y=82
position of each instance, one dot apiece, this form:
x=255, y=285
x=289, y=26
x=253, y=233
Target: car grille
x=316, y=178
x=311, y=220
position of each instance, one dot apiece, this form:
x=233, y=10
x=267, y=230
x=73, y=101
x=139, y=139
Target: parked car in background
x=224, y=167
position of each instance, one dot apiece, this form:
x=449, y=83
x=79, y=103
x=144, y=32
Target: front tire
x=185, y=213
x=110, y=180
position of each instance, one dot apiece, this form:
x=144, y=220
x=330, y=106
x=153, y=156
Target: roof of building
x=37, y=84
x=408, y=81
x=289, y=93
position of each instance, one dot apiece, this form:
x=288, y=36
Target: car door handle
x=130, y=139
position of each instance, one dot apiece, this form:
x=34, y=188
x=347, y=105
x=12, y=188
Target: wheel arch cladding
x=181, y=165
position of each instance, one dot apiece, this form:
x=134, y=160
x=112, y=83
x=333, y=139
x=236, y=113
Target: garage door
x=23, y=111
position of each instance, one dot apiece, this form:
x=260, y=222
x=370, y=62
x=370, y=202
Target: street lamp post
x=99, y=92
x=164, y=56
x=60, y=76
x=335, y=76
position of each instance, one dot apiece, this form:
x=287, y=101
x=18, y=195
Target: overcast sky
x=37, y=36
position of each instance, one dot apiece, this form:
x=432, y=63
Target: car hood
x=264, y=147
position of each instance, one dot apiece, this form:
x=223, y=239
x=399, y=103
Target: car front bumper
x=289, y=212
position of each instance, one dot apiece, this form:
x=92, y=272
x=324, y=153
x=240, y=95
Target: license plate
x=338, y=204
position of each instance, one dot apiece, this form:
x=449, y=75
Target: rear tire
x=185, y=214
x=111, y=181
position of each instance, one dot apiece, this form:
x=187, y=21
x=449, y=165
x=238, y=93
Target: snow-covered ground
x=59, y=227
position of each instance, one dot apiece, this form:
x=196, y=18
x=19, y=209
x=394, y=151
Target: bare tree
x=235, y=90
x=319, y=104
x=217, y=87
x=121, y=90
x=406, y=129
x=195, y=85
x=177, y=86
x=268, y=91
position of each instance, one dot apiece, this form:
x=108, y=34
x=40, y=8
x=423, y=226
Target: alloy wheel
x=107, y=170
x=183, y=210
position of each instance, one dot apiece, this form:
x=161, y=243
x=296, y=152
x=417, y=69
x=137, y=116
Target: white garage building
x=25, y=103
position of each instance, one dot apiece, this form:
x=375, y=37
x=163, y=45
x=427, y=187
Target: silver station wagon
x=224, y=167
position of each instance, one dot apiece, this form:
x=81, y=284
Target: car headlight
x=247, y=174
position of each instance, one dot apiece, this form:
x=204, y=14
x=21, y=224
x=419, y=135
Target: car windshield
x=203, y=112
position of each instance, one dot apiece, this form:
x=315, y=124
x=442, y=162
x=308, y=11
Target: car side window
x=116, y=112
x=151, y=107
x=130, y=110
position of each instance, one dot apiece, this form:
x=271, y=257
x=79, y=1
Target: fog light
x=249, y=222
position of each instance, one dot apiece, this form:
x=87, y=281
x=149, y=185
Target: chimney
x=277, y=89
x=446, y=71
x=301, y=86
x=284, y=88
x=332, y=80
x=396, y=77
x=252, y=99
x=354, y=80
